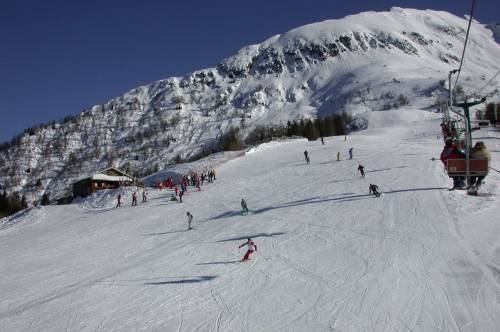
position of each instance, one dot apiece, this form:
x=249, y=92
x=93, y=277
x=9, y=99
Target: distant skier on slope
x=338, y=156
x=361, y=169
x=350, y=153
x=322, y=141
x=119, y=198
x=251, y=248
x=144, y=195
x=134, y=198
x=373, y=189
x=244, y=206
x=306, y=156
x=190, y=219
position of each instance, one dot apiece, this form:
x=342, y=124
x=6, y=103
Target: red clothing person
x=450, y=151
x=251, y=248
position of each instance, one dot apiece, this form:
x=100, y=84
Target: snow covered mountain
x=364, y=62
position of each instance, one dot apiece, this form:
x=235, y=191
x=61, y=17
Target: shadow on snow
x=239, y=238
x=184, y=280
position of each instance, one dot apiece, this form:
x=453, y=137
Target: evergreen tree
x=329, y=126
x=45, y=199
x=310, y=131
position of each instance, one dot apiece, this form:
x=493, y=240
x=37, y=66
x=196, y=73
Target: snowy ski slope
x=330, y=257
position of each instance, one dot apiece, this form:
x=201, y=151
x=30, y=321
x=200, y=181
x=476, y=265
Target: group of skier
x=372, y=189
x=134, y=198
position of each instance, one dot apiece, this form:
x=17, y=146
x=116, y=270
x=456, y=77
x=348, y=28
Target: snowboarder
x=190, y=219
x=338, y=156
x=251, y=248
x=373, y=189
x=144, y=195
x=244, y=206
x=361, y=169
x=119, y=198
x=306, y=156
x=350, y=153
x=134, y=198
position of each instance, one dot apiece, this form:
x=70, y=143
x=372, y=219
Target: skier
x=373, y=189
x=190, y=218
x=134, y=198
x=338, y=156
x=306, y=156
x=361, y=169
x=244, y=206
x=322, y=141
x=144, y=195
x=350, y=153
x=181, y=193
x=251, y=248
x=119, y=198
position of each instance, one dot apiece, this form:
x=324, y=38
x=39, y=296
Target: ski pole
x=263, y=256
x=496, y=170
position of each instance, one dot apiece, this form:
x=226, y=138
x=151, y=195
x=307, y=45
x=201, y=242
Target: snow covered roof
x=115, y=176
x=111, y=178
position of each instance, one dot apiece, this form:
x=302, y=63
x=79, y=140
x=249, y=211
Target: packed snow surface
x=330, y=257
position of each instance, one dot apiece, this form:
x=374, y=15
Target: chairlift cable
x=465, y=43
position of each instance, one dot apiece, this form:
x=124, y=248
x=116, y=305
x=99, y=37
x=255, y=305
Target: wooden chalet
x=110, y=178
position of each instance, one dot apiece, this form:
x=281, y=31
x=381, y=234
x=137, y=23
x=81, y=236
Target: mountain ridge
x=359, y=63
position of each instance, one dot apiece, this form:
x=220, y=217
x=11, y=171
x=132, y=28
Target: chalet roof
x=115, y=170
x=112, y=178
x=102, y=176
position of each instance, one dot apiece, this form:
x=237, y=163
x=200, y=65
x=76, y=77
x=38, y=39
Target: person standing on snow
x=338, y=156
x=350, y=153
x=322, y=141
x=144, y=195
x=181, y=193
x=244, y=206
x=190, y=219
x=251, y=248
x=373, y=189
x=119, y=198
x=134, y=198
x=306, y=156
x=361, y=169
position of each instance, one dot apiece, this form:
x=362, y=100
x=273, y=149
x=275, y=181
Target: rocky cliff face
x=360, y=63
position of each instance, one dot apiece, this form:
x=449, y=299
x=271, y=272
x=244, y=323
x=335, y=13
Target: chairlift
x=463, y=167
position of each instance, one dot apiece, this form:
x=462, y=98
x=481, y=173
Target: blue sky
x=60, y=57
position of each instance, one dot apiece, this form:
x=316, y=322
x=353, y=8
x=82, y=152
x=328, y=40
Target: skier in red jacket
x=251, y=248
